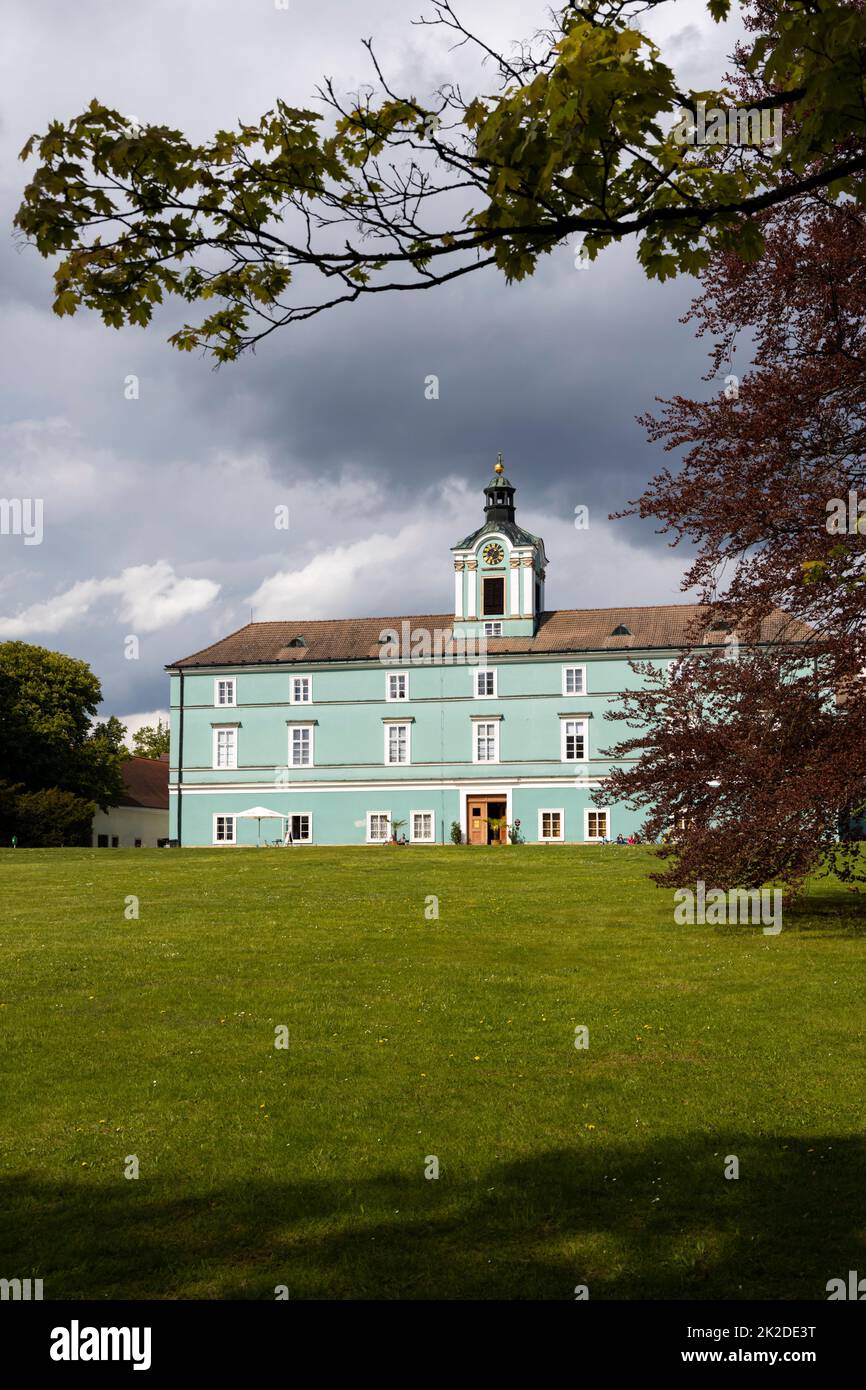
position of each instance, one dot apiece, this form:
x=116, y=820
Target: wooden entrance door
x=479, y=810
x=477, y=821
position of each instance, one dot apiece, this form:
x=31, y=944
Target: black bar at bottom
x=163, y=1338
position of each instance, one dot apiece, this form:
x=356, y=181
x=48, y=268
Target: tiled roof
x=146, y=782
x=566, y=630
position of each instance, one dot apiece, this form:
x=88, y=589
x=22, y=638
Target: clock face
x=493, y=554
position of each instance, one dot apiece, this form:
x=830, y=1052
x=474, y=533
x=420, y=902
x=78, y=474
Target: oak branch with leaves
x=303, y=210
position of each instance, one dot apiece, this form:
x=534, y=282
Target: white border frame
x=303, y=676
x=485, y=789
x=288, y=817
x=291, y=729
x=223, y=680
x=574, y=666
x=415, y=840
x=595, y=810
x=396, y=699
x=484, y=575
x=224, y=815
x=485, y=671
x=387, y=725
x=564, y=721
x=485, y=762
x=552, y=839
x=387, y=815
x=223, y=729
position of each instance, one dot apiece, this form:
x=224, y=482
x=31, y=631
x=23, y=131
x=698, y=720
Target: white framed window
x=301, y=827
x=225, y=747
x=596, y=825
x=397, y=743
x=551, y=825
x=574, y=680
x=397, y=685
x=301, y=745
x=485, y=682
x=378, y=827
x=224, y=830
x=485, y=741
x=492, y=629
x=224, y=691
x=422, y=827
x=301, y=690
x=493, y=594
x=574, y=735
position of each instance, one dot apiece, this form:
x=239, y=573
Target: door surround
x=477, y=808
x=487, y=791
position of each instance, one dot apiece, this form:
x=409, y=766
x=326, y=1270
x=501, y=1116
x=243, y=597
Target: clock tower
x=499, y=570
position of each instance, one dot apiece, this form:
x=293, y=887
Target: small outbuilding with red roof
x=140, y=820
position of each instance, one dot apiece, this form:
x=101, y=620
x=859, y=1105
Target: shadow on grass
x=828, y=911
x=657, y=1220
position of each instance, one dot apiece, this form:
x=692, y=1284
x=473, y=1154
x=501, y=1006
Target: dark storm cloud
x=329, y=418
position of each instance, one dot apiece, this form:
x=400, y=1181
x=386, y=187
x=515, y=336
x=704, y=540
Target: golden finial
x=499, y=466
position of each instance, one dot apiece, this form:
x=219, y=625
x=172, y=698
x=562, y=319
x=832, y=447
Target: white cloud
x=330, y=582
x=404, y=566
x=150, y=597
x=385, y=570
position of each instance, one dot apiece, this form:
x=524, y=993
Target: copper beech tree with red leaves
x=753, y=758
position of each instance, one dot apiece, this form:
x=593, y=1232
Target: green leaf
x=66, y=302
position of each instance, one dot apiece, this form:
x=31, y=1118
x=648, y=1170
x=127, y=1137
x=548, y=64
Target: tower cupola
x=499, y=496
x=499, y=570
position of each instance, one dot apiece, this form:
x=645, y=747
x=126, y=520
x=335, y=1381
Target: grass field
x=411, y=1037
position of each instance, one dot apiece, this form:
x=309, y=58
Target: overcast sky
x=159, y=512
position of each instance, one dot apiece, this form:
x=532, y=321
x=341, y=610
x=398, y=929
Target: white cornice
x=386, y=785
x=501, y=658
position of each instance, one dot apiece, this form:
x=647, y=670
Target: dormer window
x=621, y=631
x=297, y=642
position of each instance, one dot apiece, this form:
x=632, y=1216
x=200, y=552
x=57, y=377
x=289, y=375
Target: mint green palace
x=361, y=730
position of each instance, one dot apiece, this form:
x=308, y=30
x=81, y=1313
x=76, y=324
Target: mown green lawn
x=411, y=1037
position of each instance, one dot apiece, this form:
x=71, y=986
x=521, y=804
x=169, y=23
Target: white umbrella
x=259, y=813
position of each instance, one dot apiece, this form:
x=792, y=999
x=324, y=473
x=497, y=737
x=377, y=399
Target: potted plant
x=395, y=826
x=456, y=833
x=494, y=825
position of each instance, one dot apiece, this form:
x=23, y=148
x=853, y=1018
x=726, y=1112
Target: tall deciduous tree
x=113, y=732
x=46, y=738
x=300, y=210
x=754, y=760
x=152, y=740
